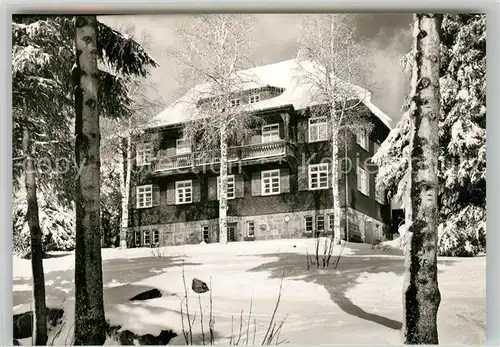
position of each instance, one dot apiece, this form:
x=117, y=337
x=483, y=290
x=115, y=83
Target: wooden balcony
x=244, y=154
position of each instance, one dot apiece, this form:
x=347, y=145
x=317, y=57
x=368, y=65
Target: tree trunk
x=90, y=324
x=421, y=292
x=335, y=177
x=223, y=185
x=40, y=315
x=346, y=180
x=336, y=229
x=125, y=190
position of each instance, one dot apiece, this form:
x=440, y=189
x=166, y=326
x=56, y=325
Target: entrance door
x=231, y=232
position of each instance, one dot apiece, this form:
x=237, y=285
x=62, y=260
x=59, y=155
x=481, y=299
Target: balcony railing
x=262, y=150
x=164, y=162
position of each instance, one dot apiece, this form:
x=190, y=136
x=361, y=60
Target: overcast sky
x=389, y=36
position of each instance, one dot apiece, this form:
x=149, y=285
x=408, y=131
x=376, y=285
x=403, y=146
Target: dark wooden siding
x=249, y=201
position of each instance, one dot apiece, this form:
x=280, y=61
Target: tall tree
x=462, y=139
x=421, y=292
x=118, y=134
x=35, y=129
x=42, y=55
x=36, y=245
x=118, y=137
x=336, y=60
x=90, y=323
x=216, y=47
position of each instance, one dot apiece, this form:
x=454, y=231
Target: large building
x=279, y=184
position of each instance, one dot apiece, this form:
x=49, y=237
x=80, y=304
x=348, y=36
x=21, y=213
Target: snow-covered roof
x=288, y=74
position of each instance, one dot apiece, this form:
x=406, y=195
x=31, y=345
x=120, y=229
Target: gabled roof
x=286, y=74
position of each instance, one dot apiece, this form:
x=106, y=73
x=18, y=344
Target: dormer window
x=234, y=102
x=253, y=99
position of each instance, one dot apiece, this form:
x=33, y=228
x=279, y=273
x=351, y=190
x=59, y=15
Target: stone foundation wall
x=174, y=234
x=362, y=228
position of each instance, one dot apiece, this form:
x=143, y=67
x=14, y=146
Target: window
x=253, y=99
x=144, y=153
x=270, y=182
x=376, y=146
x=137, y=237
x=230, y=187
x=362, y=138
x=183, y=192
x=205, y=234
x=331, y=218
x=234, y=102
x=144, y=196
x=308, y=221
x=147, y=238
x=318, y=176
x=318, y=129
x=182, y=146
x=251, y=229
x=363, y=181
x=320, y=223
x=270, y=133
x=156, y=237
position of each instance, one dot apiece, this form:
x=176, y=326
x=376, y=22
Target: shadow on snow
x=338, y=281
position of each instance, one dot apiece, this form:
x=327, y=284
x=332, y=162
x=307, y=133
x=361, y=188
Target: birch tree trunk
x=346, y=188
x=421, y=292
x=90, y=324
x=125, y=190
x=223, y=185
x=40, y=317
x=336, y=189
x=335, y=178
x=335, y=141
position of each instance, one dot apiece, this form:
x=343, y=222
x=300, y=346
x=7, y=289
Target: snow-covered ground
x=360, y=302
x=462, y=312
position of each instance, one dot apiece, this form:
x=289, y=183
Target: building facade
x=279, y=179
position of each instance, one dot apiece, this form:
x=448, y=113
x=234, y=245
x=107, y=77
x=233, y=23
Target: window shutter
x=133, y=197
x=156, y=195
x=171, y=193
x=212, y=188
x=302, y=178
x=196, y=190
x=285, y=180
x=256, y=183
x=303, y=131
x=311, y=131
x=239, y=186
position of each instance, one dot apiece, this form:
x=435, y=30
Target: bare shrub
x=243, y=333
x=322, y=260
